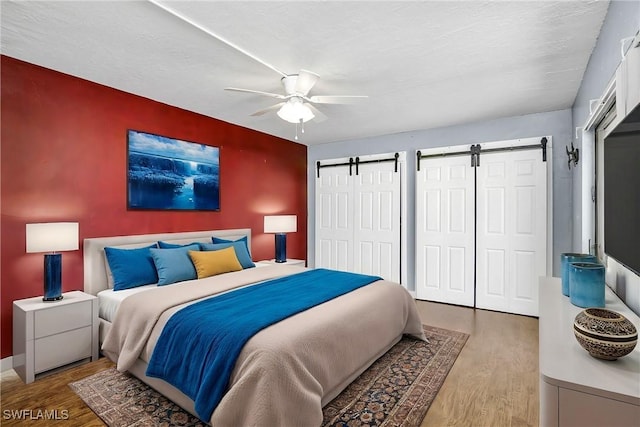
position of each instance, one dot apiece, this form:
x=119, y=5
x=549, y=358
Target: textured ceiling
x=422, y=64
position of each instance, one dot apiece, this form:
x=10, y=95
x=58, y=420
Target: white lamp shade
x=52, y=237
x=280, y=224
x=294, y=110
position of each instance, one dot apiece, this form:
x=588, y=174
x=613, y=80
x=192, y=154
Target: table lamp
x=52, y=237
x=280, y=225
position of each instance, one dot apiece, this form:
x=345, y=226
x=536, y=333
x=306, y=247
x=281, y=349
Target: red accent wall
x=63, y=158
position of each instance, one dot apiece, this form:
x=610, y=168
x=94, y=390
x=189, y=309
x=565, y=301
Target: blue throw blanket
x=198, y=347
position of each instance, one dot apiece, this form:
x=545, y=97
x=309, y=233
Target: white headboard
x=95, y=273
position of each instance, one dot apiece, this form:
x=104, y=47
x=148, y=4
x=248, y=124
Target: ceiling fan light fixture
x=295, y=111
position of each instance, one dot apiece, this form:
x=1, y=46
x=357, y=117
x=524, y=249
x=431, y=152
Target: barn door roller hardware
x=357, y=162
x=475, y=149
x=475, y=155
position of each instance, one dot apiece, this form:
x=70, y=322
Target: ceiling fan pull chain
x=296, y=131
x=301, y=126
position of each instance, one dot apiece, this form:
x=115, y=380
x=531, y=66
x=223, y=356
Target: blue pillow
x=166, y=245
x=174, y=265
x=131, y=267
x=242, y=239
x=240, y=247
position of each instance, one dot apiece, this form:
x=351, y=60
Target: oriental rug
x=396, y=390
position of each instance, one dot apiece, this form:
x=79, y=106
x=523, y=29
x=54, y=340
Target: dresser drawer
x=57, y=350
x=62, y=318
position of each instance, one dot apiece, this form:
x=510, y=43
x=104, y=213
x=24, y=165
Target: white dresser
x=49, y=335
x=577, y=389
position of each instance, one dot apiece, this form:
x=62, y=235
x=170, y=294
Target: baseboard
x=413, y=294
x=6, y=363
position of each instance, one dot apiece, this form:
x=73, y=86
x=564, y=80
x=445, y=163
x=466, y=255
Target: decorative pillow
x=167, y=245
x=131, y=267
x=240, y=248
x=174, y=265
x=210, y=263
x=240, y=240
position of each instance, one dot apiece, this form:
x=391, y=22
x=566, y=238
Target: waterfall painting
x=168, y=173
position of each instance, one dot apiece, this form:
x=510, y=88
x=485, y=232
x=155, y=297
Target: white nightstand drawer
x=62, y=318
x=61, y=349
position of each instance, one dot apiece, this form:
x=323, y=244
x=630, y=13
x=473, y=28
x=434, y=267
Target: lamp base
x=281, y=247
x=52, y=277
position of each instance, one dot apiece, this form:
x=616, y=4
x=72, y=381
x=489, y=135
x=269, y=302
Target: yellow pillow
x=210, y=263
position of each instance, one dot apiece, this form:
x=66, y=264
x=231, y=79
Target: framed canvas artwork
x=168, y=173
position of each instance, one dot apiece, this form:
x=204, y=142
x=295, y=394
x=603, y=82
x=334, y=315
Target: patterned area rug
x=396, y=390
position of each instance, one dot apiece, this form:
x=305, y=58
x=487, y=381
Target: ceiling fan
x=296, y=106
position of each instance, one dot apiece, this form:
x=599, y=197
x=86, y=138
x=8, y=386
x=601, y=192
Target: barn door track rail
x=357, y=162
x=475, y=150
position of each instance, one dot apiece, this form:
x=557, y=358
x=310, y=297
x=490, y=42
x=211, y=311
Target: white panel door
x=445, y=230
x=376, y=240
x=511, y=230
x=334, y=219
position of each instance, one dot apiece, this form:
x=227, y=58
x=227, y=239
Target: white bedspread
x=287, y=372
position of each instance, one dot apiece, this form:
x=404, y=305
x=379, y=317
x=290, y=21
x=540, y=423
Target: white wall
x=622, y=21
x=555, y=123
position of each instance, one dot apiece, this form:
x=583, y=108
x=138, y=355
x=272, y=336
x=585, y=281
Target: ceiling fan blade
x=273, y=95
x=336, y=99
x=268, y=109
x=306, y=80
x=319, y=116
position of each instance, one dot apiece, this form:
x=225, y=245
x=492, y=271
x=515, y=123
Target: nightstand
x=50, y=335
x=289, y=261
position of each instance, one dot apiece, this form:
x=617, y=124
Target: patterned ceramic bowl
x=605, y=334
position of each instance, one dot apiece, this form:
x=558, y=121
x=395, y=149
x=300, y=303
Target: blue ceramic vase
x=586, y=280
x=565, y=260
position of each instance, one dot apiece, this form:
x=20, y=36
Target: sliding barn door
x=511, y=230
x=376, y=237
x=481, y=224
x=358, y=210
x=445, y=230
x=334, y=219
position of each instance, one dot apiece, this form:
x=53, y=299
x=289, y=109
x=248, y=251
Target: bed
x=286, y=372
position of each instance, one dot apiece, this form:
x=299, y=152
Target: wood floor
x=494, y=381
